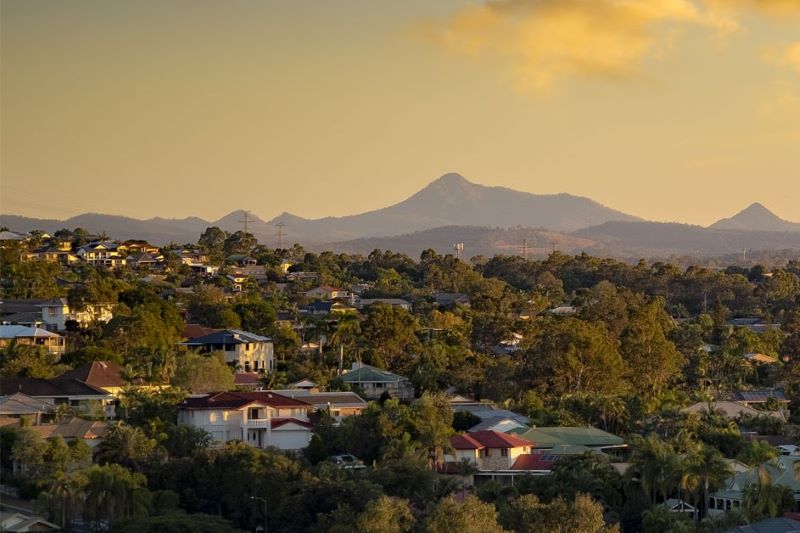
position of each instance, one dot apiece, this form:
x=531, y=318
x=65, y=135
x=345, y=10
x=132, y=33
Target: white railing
x=257, y=422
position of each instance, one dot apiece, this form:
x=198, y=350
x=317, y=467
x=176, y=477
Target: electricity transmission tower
x=280, y=234
x=245, y=221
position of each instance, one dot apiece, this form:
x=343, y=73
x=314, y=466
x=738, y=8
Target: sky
x=671, y=110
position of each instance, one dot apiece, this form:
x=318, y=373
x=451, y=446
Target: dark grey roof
x=760, y=396
x=770, y=525
x=227, y=336
x=49, y=388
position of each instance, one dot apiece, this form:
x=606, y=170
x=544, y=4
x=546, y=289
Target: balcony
x=253, y=423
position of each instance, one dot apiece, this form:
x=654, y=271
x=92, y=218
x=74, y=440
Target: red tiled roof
x=465, y=442
x=237, y=400
x=535, y=461
x=488, y=439
x=97, y=373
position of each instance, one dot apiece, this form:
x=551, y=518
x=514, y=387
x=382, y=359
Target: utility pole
x=265, y=507
x=245, y=221
x=525, y=248
x=280, y=234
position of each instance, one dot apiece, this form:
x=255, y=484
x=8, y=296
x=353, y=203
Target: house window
x=212, y=416
x=51, y=311
x=253, y=414
x=484, y=452
x=504, y=452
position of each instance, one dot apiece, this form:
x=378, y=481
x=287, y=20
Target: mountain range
x=451, y=209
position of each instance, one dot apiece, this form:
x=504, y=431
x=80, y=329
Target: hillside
x=756, y=217
x=477, y=241
x=660, y=238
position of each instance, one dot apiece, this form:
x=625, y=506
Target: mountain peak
x=451, y=179
x=756, y=217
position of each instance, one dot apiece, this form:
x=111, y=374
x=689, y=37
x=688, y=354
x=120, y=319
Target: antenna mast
x=280, y=234
x=525, y=248
x=459, y=248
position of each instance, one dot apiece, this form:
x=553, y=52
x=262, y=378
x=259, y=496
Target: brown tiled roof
x=193, y=331
x=77, y=428
x=98, y=374
x=237, y=400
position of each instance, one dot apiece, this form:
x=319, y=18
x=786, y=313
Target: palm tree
x=764, y=499
x=705, y=469
x=65, y=494
x=346, y=333
x=658, y=466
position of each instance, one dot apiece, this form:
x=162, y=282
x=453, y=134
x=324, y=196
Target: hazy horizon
x=669, y=110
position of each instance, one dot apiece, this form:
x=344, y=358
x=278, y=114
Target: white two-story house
x=102, y=254
x=246, y=352
x=261, y=418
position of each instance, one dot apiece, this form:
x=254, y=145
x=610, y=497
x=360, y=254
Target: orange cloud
x=545, y=41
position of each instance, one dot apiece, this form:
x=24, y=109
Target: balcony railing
x=257, y=422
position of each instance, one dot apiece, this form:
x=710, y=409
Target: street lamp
x=265, y=510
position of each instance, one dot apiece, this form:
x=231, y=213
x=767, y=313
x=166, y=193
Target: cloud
x=544, y=41
x=791, y=56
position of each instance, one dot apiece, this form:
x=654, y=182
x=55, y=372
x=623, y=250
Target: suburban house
x=89, y=431
x=449, y=299
x=51, y=254
x=326, y=292
x=394, y=302
x=243, y=350
x=51, y=313
x=85, y=399
x=32, y=336
x=761, y=397
x=563, y=440
x=18, y=407
x=781, y=472
x=338, y=405
x=731, y=410
x=102, y=254
x=501, y=424
x=105, y=375
x=323, y=308
x=146, y=260
x=495, y=456
x=374, y=382
x=14, y=521
x=487, y=411
x=57, y=312
x=259, y=418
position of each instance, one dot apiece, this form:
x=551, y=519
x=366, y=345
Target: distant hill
x=661, y=238
x=448, y=201
x=756, y=217
x=155, y=230
x=477, y=241
x=453, y=201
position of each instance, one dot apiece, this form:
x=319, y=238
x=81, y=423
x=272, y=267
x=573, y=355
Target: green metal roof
x=552, y=437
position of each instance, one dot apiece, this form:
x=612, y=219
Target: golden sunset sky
x=672, y=110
